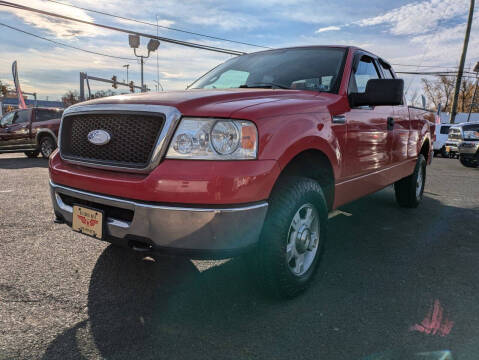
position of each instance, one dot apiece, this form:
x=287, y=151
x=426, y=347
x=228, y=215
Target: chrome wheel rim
x=419, y=182
x=303, y=240
x=47, y=148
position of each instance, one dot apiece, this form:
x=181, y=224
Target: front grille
x=133, y=138
x=110, y=211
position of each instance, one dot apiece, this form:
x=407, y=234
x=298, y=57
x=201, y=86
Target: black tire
x=32, y=154
x=291, y=196
x=468, y=163
x=47, y=145
x=410, y=189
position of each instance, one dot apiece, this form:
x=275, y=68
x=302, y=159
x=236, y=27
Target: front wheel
x=47, y=145
x=293, y=237
x=32, y=154
x=410, y=189
x=469, y=163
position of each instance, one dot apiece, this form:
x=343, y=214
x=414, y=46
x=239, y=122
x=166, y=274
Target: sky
x=425, y=33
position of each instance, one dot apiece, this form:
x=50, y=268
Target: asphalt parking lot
x=389, y=276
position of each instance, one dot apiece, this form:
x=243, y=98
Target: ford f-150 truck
x=250, y=159
x=32, y=131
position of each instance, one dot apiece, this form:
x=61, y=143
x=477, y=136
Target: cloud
x=418, y=17
x=56, y=26
x=327, y=28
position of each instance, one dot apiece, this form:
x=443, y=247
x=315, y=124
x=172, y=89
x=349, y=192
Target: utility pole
x=461, y=64
x=473, y=101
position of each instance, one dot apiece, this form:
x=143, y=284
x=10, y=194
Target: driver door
x=368, y=137
x=5, y=135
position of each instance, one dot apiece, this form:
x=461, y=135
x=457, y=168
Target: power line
x=436, y=73
x=66, y=45
x=114, y=28
x=161, y=26
x=427, y=66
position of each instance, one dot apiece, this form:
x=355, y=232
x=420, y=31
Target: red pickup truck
x=32, y=131
x=251, y=158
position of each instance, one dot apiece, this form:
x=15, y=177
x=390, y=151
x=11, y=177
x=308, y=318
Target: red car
x=251, y=159
x=32, y=131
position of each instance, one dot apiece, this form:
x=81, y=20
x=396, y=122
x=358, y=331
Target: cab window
x=365, y=71
x=47, y=114
x=387, y=71
x=21, y=117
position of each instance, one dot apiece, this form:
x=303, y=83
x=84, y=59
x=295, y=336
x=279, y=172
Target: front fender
x=284, y=137
x=43, y=131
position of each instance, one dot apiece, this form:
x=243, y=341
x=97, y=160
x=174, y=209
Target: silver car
x=454, y=140
x=469, y=145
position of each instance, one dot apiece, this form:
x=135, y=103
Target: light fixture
x=153, y=44
x=134, y=41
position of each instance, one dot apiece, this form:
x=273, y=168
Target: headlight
x=214, y=139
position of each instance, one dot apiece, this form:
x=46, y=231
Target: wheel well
x=425, y=149
x=313, y=164
x=43, y=135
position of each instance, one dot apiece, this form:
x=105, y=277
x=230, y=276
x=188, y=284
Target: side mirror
x=379, y=92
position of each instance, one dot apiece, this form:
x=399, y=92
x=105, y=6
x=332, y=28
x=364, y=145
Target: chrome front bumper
x=196, y=231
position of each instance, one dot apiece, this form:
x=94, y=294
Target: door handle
x=339, y=119
x=390, y=123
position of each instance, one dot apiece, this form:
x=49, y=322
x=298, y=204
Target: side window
x=366, y=71
x=387, y=72
x=444, y=130
x=8, y=119
x=45, y=115
x=23, y=116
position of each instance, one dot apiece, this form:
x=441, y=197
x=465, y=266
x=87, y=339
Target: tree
x=4, y=88
x=70, y=98
x=440, y=90
x=103, y=93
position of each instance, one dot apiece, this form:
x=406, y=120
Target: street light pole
x=153, y=44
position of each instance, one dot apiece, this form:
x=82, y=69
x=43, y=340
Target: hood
x=212, y=103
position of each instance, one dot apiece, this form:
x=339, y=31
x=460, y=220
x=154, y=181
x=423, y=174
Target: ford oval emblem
x=99, y=137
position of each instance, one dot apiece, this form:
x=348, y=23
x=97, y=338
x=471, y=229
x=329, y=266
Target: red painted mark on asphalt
x=435, y=323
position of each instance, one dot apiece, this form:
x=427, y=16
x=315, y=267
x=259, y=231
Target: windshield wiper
x=264, y=85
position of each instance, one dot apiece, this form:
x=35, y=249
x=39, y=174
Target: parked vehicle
x=32, y=131
x=250, y=160
x=442, y=131
x=454, y=139
x=469, y=147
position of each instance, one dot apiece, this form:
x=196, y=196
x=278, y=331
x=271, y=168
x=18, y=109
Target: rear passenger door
x=399, y=123
x=368, y=138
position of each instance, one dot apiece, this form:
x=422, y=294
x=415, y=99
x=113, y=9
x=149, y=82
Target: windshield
x=7, y=119
x=471, y=132
x=454, y=134
x=316, y=69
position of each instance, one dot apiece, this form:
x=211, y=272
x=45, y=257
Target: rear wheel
x=410, y=189
x=293, y=237
x=32, y=154
x=47, y=145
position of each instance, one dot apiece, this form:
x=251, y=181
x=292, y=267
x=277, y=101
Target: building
x=9, y=103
